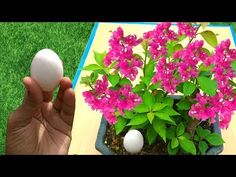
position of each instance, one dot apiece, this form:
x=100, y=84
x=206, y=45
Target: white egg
x=133, y=141
x=47, y=69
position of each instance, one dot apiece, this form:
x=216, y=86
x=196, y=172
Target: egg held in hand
x=133, y=141
x=47, y=69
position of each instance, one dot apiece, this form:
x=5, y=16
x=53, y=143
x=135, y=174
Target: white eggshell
x=133, y=141
x=47, y=69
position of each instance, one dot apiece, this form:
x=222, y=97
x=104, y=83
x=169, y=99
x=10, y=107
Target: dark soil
x=115, y=143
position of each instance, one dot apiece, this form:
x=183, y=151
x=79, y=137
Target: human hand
x=40, y=126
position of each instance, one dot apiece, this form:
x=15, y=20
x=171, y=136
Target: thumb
x=32, y=102
x=33, y=95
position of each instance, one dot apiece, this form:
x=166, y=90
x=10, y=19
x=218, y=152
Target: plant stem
x=91, y=86
x=145, y=59
x=191, y=128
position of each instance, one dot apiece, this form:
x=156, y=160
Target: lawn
x=18, y=44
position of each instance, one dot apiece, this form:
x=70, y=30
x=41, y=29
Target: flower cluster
x=224, y=102
x=110, y=101
x=184, y=63
x=186, y=29
x=158, y=38
x=165, y=74
x=121, y=51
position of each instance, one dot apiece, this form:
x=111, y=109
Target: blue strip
x=136, y=23
x=88, y=46
x=233, y=33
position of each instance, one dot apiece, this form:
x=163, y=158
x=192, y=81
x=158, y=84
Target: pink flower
x=210, y=107
x=108, y=101
x=158, y=38
x=189, y=58
x=222, y=59
x=165, y=74
x=186, y=29
x=121, y=51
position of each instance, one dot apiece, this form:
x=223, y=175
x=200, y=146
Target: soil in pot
x=115, y=143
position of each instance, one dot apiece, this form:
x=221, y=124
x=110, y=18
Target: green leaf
x=85, y=80
x=172, y=151
x=113, y=79
x=151, y=135
x=138, y=119
x=205, y=74
x=158, y=106
x=102, y=71
x=144, y=45
x=164, y=116
x=94, y=77
x=183, y=104
x=125, y=81
x=232, y=83
x=149, y=70
x=180, y=129
x=202, y=67
x=169, y=101
x=92, y=67
x=150, y=116
x=207, y=85
x=146, y=80
x=120, y=125
x=154, y=86
x=178, y=47
x=203, y=147
x=148, y=99
x=99, y=57
x=181, y=38
x=170, y=132
x=160, y=127
x=214, y=139
x=233, y=65
x=174, y=143
x=188, y=88
x=169, y=111
x=187, y=145
x=113, y=64
x=210, y=38
x=138, y=56
x=139, y=87
x=170, y=48
x=159, y=96
x=179, y=88
x=202, y=133
x=196, y=138
x=140, y=126
x=187, y=135
x=141, y=108
x=128, y=114
x=206, y=50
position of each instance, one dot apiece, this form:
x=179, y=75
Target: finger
x=33, y=97
x=64, y=84
x=47, y=96
x=68, y=106
x=31, y=103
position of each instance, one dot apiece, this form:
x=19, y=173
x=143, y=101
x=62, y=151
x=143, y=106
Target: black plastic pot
x=101, y=147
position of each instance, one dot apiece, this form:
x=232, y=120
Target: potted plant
x=138, y=90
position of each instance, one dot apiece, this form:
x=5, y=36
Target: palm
x=47, y=132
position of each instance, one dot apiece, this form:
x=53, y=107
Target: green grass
x=18, y=44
